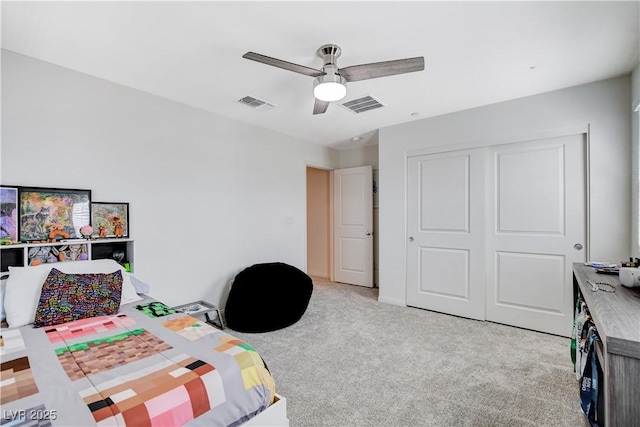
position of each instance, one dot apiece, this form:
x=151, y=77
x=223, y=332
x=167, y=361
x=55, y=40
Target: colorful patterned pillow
x=66, y=297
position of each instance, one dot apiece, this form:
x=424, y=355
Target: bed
x=85, y=347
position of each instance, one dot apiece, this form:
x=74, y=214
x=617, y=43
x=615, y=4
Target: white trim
x=587, y=192
x=392, y=301
x=309, y=164
x=274, y=416
x=499, y=141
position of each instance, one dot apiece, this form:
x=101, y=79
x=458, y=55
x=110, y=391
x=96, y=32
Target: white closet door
x=353, y=225
x=536, y=206
x=445, y=233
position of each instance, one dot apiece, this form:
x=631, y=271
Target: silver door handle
x=411, y=239
x=368, y=233
x=577, y=246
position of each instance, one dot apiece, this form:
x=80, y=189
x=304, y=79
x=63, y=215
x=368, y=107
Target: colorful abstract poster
x=51, y=213
x=9, y=213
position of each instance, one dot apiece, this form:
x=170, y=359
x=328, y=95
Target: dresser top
x=616, y=314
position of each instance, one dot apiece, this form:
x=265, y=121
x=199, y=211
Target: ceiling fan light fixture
x=330, y=82
x=329, y=88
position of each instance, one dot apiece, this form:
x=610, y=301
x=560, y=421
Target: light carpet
x=353, y=361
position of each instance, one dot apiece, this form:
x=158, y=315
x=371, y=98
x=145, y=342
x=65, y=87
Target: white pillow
x=24, y=285
x=3, y=286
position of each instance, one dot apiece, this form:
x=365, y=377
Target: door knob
x=368, y=233
x=577, y=246
x=411, y=239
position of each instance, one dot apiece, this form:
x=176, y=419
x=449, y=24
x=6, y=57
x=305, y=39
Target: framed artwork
x=9, y=213
x=110, y=219
x=52, y=213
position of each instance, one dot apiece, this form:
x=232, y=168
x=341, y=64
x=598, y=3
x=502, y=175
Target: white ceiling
x=476, y=53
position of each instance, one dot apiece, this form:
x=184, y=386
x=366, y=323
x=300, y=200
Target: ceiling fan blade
x=320, y=107
x=290, y=66
x=382, y=69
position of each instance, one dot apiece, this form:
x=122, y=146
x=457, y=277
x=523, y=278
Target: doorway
x=340, y=228
x=319, y=223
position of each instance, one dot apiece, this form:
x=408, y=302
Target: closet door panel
x=445, y=225
x=536, y=208
x=444, y=272
x=525, y=280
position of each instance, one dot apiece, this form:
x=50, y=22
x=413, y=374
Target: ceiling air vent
x=360, y=105
x=256, y=104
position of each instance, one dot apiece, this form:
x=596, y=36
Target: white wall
x=208, y=196
x=361, y=156
x=602, y=105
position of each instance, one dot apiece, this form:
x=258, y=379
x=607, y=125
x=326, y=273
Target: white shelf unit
x=18, y=255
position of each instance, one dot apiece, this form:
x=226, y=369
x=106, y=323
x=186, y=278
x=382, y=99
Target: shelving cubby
x=22, y=254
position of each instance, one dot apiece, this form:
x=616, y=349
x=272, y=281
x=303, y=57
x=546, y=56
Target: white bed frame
x=274, y=416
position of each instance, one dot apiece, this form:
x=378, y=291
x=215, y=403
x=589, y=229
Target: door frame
x=307, y=164
x=330, y=207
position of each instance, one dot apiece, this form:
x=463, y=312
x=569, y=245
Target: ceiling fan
x=330, y=82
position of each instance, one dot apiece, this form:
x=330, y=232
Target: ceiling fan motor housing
x=329, y=53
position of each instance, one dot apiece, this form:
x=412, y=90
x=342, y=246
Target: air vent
x=256, y=104
x=360, y=105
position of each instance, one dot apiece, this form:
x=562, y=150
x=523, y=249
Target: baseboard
x=392, y=301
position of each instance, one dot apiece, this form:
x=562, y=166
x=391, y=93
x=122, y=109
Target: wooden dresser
x=617, y=318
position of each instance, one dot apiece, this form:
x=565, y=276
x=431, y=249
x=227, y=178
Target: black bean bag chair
x=267, y=297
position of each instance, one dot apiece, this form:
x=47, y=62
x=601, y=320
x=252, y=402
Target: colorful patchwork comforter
x=144, y=366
